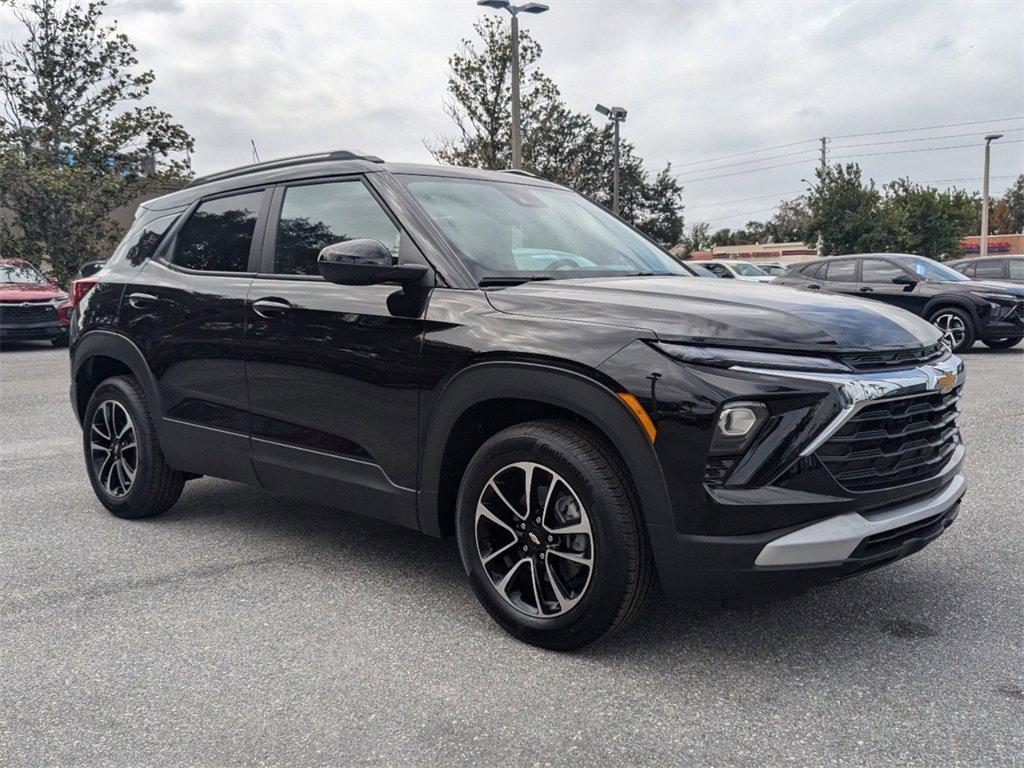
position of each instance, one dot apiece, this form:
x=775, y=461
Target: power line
x=926, y=138
x=748, y=199
x=968, y=178
x=924, y=149
x=927, y=128
x=742, y=154
x=751, y=170
x=738, y=214
x=748, y=162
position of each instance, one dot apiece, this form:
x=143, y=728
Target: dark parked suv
x=964, y=310
x=491, y=356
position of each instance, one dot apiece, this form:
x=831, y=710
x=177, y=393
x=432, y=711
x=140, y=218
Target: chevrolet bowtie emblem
x=946, y=382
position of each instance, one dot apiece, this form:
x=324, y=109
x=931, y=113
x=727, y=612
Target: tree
x=927, y=222
x=846, y=212
x=559, y=144
x=790, y=223
x=1006, y=214
x=75, y=141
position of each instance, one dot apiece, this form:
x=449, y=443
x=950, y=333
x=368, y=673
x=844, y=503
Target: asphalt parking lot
x=247, y=629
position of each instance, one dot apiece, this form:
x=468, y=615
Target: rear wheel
x=956, y=327
x=122, y=454
x=551, y=535
x=1003, y=343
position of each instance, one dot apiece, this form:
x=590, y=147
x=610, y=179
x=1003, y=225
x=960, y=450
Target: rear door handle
x=141, y=300
x=270, y=307
x=813, y=286
x=865, y=289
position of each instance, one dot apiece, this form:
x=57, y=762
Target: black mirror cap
x=365, y=261
x=904, y=280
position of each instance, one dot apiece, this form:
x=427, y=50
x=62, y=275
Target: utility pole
x=984, y=195
x=515, y=10
x=616, y=115
x=824, y=165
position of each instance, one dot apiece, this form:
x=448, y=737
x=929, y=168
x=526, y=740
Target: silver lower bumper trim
x=833, y=540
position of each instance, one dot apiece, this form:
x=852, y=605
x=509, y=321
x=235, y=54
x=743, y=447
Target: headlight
x=999, y=298
x=725, y=357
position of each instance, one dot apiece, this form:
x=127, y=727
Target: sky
x=701, y=81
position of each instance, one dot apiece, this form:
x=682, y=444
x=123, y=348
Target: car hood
x=994, y=286
x=28, y=292
x=728, y=312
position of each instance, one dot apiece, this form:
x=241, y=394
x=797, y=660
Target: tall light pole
x=616, y=115
x=515, y=10
x=984, y=194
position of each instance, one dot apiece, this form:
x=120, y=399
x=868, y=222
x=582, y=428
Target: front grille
x=717, y=470
x=903, y=358
x=894, y=442
x=25, y=313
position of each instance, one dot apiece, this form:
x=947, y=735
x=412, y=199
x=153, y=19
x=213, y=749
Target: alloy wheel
x=534, y=539
x=953, y=329
x=113, y=448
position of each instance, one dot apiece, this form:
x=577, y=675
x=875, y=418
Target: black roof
x=986, y=258
x=309, y=166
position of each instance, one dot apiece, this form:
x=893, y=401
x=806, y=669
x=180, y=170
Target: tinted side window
x=1016, y=269
x=317, y=215
x=841, y=271
x=812, y=271
x=967, y=268
x=988, y=270
x=218, y=236
x=719, y=270
x=878, y=271
x=140, y=243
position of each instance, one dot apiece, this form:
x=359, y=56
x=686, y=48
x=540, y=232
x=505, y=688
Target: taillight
x=81, y=287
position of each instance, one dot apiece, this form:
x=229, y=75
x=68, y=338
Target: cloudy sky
x=700, y=80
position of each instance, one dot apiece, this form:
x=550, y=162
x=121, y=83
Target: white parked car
x=741, y=270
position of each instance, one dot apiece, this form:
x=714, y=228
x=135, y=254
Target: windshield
x=932, y=270
x=525, y=232
x=24, y=274
x=747, y=270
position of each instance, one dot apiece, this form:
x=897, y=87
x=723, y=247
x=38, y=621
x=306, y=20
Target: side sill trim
x=833, y=540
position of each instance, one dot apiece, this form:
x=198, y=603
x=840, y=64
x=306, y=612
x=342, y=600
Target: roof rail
x=284, y=162
x=519, y=172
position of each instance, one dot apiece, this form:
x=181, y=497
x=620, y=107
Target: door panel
x=876, y=283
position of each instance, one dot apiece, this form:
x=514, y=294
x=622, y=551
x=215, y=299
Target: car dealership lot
x=242, y=628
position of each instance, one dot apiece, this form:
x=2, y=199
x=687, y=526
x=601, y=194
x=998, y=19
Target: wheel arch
x=100, y=354
x=525, y=392
x=948, y=301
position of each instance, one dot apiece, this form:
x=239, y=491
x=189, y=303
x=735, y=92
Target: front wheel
x=551, y=535
x=956, y=327
x=1003, y=343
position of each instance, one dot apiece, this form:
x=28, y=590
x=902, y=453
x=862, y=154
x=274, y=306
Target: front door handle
x=813, y=286
x=270, y=307
x=142, y=300
x=865, y=289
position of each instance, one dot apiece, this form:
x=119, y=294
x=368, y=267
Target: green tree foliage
x=75, y=141
x=924, y=221
x=1006, y=214
x=846, y=212
x=559, y=144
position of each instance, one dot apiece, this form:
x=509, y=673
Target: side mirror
x=365, y=262
x=904, y=279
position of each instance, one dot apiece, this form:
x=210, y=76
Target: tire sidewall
x=606, y=590
x=970, y=334
x=120, y=391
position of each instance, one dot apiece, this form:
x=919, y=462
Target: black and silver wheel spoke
x=952, y=328
x=113, y=448
x=534, y=539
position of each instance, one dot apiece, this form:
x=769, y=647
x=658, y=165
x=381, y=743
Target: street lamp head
x=603, y=110
x=618, y=113
x=993, y=136
x=498, y=4
x=534, y=8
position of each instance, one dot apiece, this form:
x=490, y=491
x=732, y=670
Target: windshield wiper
x=486, y=282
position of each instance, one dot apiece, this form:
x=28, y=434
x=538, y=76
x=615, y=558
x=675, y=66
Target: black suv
x=494, y=357
x=964, y=310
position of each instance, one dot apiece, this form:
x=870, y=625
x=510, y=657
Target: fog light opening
x=737, y=420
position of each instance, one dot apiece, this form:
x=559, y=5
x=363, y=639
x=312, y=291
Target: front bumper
x=1002, y=322
x=34, y=332
x=779, y=521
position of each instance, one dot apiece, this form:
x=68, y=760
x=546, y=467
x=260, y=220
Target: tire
x=956, y=326
x=1003, y=343
x=153, y=487
x=572, y=467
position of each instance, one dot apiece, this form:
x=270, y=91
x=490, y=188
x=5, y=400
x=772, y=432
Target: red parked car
x=32, y=306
